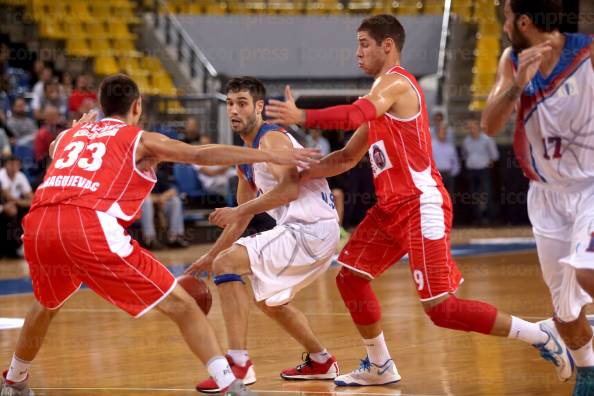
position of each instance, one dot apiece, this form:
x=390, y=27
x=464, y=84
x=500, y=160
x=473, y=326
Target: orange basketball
x=198, y=289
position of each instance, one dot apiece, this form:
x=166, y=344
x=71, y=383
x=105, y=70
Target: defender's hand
x=204, y=263
x=223, y=216
x=87, y=117
x=285, y=113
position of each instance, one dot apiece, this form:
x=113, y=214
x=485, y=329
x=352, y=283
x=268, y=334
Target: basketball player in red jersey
x=413, y=214
x=100, y=174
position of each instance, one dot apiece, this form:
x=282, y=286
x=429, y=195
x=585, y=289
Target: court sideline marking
x=395, y=393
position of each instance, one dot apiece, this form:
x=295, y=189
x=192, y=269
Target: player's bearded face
x=242, y=112
x=518, y=39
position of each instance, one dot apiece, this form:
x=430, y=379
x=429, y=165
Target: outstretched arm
x=342, y=160
x=155, y=147
x=383, y=95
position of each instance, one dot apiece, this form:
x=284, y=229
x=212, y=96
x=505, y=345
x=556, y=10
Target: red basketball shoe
x=245, y=373
x=311, y=370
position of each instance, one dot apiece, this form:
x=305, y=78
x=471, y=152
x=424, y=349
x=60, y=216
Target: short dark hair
x=383, y=26
x=10, y=158
x=116, y=94
x=546, y=15
x=246, y=83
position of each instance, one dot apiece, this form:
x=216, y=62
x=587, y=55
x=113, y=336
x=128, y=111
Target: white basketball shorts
x=563, y=226
x=289, y=257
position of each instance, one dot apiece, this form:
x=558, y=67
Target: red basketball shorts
x=68, y=245
x=421, y=230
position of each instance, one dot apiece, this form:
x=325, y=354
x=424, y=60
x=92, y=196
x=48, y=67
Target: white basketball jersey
x=315, y=201
x=554, y=138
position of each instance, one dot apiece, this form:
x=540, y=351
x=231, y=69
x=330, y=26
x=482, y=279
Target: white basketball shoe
x=370, y=374
x=555, y=351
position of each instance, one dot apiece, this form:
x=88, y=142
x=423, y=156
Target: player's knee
x=358, y=297
x=465, y=315
x=178, y=304
x=270, y=311
x=234, y=260
x=585, y=278
x=443, y=311
x=440, y=314
x=347, y=280
x=224, y=263
x=39, y=310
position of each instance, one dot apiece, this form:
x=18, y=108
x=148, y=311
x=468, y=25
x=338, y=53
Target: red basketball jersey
x=400, y=153
x=94, y=167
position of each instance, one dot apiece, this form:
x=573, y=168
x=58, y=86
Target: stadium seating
x=488, y=50
x=100, y=30
x=187, y=182
x=311, y=7
x=463, y=9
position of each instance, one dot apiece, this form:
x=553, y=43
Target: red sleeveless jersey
x=400, y=153
x=94, y=167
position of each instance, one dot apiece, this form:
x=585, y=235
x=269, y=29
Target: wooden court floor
x=93, y=349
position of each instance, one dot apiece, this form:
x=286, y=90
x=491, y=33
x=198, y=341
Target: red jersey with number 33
x=94, y=167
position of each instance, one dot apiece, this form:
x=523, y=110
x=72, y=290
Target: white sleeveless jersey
x=554, y=137
x=315, y=202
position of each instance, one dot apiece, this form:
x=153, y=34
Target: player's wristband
x=344, y=117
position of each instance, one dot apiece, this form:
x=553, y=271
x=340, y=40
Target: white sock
x=239, y=356
x=527, y=331
x=584, y=356
x=218, y=368
x=320, y=357
x=377, y=351
x=18, y=369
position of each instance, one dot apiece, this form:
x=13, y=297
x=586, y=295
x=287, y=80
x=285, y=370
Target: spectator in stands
x=8, y=212
x=16, y=198
x=165, y=200
x=45, y=77
x=440, y=123
x=315, y=140
x=4, y=57
x=51, y=96
x=66, y=85
x=479, y=152
x=4, y=143
x=53, y=124
x=4, y=81
x=191, y=133
x=22, y=127
x=36, y=71
x=446, y=159
x=87, y=105
x=82, y=91
x=215, y=179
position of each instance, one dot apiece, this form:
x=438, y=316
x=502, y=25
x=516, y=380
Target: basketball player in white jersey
x=279, y=262
x=548, y=78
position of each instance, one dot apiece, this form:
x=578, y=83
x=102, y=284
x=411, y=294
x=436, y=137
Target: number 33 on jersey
x=92, y=169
